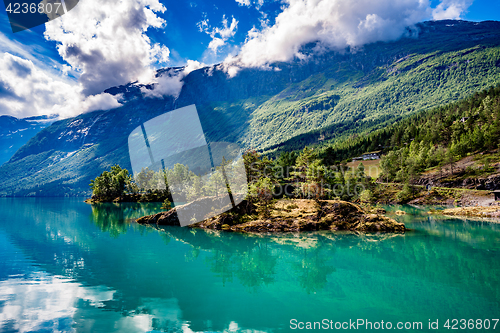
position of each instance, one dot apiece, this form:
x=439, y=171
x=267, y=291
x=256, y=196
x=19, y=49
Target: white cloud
x=219, y=35
x=106, y=41
x=248, y=3
x=42, y=302
x=335, y=24
x=104, y=44
x=193, y=65
x=33, y=52
x=26, y=90
x=227, y=31
x=451, y=9
x=170, y=82
x=244, y=2
x=215, y=43
x=32, y=304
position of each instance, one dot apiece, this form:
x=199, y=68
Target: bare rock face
x=489, y=183
x=164, y=218
x=290, y=216
x=342, y=215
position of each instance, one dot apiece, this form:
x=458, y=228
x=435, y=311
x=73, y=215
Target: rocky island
x=287, y=215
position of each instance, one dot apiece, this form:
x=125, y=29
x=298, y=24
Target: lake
x=67, y=266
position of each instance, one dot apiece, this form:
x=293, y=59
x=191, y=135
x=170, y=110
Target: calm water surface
x=66, y=266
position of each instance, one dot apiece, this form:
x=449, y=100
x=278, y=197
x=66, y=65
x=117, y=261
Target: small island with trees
x=307, y=197
x=448, y=155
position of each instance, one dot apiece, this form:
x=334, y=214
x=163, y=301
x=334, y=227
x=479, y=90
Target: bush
x=366, y=196
x=262, y=192
x=166, y=204
x=111, y=184
x=405, y=194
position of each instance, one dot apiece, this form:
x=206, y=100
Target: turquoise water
x=68, y=267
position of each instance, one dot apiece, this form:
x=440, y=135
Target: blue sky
x=181, y=32
x=186, y=41
x=78, y=57
x=483, y=10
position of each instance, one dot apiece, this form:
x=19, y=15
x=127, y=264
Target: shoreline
x=489, y=212
x=309, y=214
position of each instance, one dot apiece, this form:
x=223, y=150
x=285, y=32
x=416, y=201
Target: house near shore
x=373, y=155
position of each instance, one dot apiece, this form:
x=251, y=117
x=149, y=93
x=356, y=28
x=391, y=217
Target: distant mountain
x=286, y=105
x=14, y=133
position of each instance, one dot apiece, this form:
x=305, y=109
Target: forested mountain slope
x=325, y=98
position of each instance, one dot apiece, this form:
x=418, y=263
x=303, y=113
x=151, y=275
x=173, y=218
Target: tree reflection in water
x=313, y=269
x=254, y=259
x=114, y=218
x=254, y=266
x=311, y=260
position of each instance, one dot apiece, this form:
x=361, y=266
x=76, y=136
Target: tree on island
x=311, y=175
x=111, y=184
x=261, y=192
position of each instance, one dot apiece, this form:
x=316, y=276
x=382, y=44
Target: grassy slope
x=372, y=167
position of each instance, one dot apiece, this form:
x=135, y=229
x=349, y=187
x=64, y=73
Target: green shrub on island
x=111, y=184
x=405, y=194
x=154, y=186
x=366, y=196
x=261, y=192
x=166, y=204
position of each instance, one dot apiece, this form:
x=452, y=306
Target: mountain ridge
x=330, y=96
x=15, y=132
